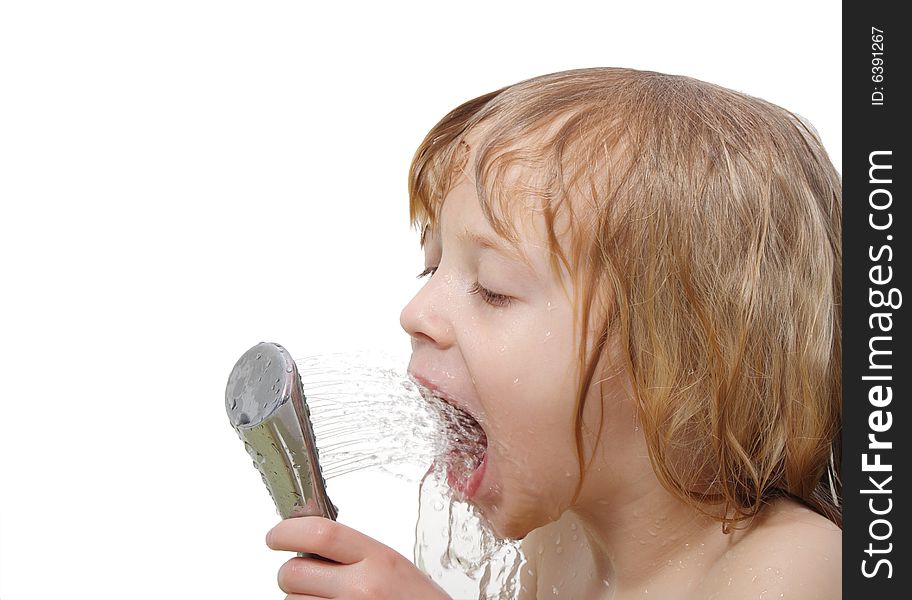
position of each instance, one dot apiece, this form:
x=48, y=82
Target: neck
x=644, y=535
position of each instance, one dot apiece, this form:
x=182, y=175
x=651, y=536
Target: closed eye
x=489, y=297
x=494, y=299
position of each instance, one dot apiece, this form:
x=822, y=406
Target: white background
x=180, y=180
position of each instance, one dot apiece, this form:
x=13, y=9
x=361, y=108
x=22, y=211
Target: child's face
x=513, y=367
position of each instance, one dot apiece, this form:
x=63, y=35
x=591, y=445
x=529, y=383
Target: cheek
x=533, y=438
x=528, y=388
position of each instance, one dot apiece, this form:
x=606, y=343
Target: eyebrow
x=473, y=237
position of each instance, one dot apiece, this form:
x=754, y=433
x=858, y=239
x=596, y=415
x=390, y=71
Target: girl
x=635, y=286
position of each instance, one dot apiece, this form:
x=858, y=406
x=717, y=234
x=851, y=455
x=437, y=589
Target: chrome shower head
x=268, y=410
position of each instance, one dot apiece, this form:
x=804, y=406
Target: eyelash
x=489, y=297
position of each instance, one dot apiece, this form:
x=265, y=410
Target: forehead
x=519, y=209
x=462, y=220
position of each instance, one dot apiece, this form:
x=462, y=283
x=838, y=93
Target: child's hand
x=363, y=569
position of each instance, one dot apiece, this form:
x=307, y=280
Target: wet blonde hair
x=705, y=236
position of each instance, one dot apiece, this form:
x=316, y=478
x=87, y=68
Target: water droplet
x=554, y=590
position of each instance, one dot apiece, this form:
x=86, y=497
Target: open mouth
x=464, y=452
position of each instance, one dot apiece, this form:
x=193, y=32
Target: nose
x=426, y=317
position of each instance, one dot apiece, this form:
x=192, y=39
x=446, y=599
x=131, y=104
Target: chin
x=510, y=530
x=507, y=525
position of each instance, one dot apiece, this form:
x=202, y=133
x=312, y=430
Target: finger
x=307, y=576
x=318, y=535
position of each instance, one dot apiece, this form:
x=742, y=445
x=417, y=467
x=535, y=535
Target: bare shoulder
x=789, y=551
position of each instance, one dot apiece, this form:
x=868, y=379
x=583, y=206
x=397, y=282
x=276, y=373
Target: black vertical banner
x=877, y=373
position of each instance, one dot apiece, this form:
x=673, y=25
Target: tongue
x=461, y=468
x=465, y=443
